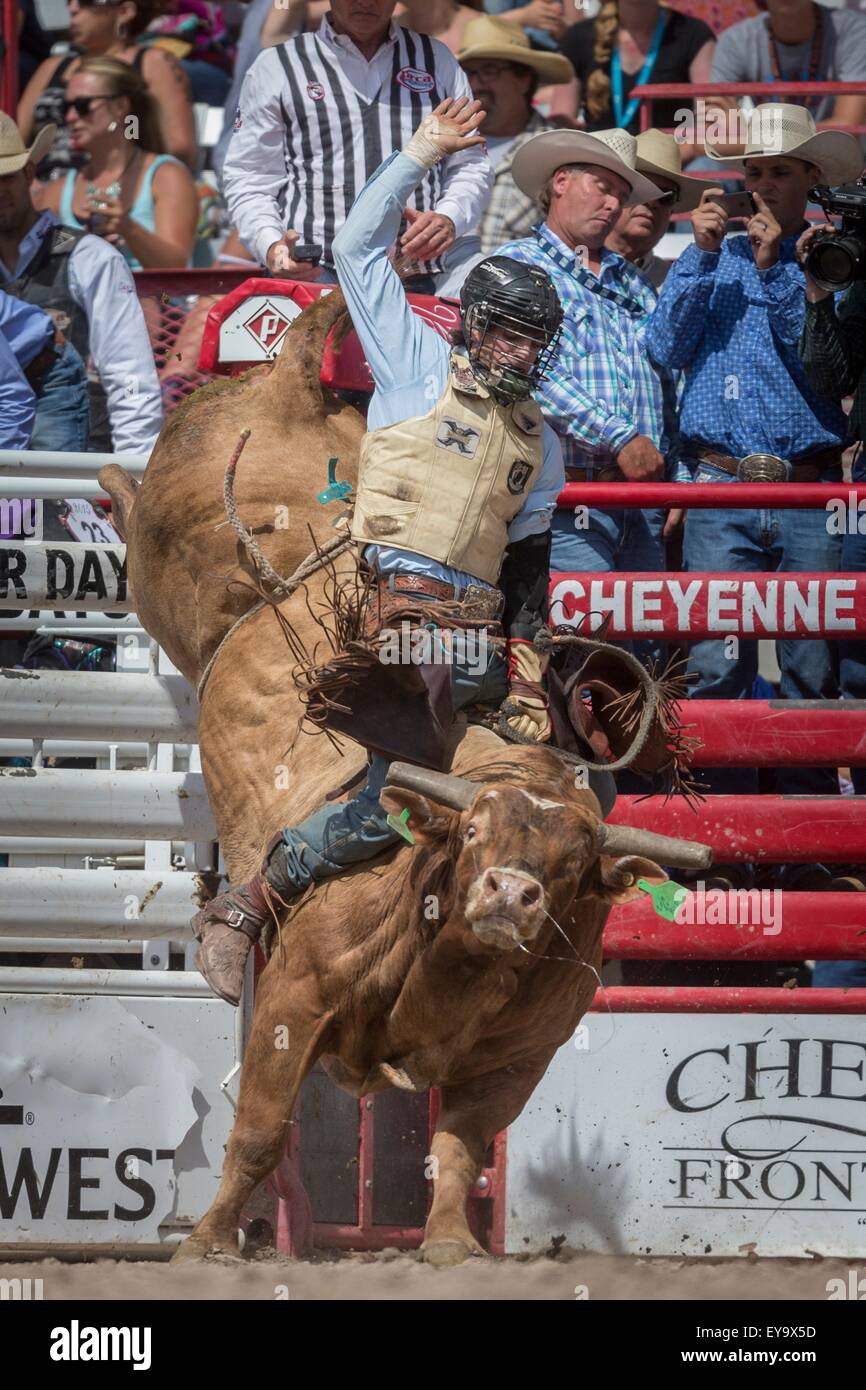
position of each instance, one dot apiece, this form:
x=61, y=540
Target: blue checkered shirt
x=601, y=389
x=734, y=331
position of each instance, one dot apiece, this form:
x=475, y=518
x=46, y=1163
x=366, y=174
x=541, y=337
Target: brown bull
x=463, y=961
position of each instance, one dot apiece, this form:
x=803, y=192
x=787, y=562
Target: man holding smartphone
x=730, y=315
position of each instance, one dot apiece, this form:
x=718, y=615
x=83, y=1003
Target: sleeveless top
x=49, y=110
x=142, y=210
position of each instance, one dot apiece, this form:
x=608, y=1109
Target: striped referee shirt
x=316, y=119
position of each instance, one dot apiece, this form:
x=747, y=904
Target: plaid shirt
x=509, y=214
x=601, y=390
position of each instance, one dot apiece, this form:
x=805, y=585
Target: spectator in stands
x=833, y=353
x=141, y=200
x=86, y=285
x=43, y=384
x=445, y=20
x=195, y=33
x=545, y=21
x=264, y=26
x=797, y=41
x=109, y=28
x=504, y=72
x=640, y=228
x=286, y=178
x=631, y=43
x=719, y=14
x=602, y=395
x=729, y=316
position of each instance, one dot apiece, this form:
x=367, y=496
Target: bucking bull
x=473, y=994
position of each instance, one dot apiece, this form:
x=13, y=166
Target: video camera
x=837, y=259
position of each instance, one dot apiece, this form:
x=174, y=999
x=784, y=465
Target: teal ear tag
x=334, y=491
x=399, y=823
x=666, y=897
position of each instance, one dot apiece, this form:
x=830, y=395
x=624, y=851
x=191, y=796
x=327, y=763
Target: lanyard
x=809, y=74
x=622, y=117
x=590, y=282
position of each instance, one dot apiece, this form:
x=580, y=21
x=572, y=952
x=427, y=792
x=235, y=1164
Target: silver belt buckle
x=763, y=468
x=482, y=603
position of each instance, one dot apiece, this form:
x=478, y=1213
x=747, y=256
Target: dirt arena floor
x=390, y=1275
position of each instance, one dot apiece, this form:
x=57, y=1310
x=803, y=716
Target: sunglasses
x=82, y=106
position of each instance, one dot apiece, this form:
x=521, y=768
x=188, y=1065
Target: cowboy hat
x=658, y=153
x=777, y=129
x=13, y=154
x=487, y=37
x=616, y=150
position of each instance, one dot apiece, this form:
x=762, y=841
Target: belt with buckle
x=477, y=603
x=608, y=473
x=768, y=468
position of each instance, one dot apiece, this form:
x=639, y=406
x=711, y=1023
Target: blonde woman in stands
x=632, y=43
x=130, y=191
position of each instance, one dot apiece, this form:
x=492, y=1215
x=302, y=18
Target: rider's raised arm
x=400, y=348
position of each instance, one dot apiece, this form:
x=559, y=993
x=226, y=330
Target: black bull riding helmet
x=503, y=294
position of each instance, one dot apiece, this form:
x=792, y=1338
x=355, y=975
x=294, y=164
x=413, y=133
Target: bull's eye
x=471, y=832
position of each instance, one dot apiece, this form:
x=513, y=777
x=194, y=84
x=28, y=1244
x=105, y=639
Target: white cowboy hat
x=661, y=154
x=779, y=129
x=616, y=150
x=13, y=153
x=487, y=37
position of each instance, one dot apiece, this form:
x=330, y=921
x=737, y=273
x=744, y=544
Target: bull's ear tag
x=334, y=491
x=399, y=823
x=666, y=897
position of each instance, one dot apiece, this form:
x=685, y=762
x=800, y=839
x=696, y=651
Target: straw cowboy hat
x=487, y=37
x=13, y=154
x=778, y=129
x=547, y=151
x=658, y=153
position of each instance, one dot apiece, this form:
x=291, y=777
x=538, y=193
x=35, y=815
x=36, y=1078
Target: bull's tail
x=123, y=490
x=298, y=368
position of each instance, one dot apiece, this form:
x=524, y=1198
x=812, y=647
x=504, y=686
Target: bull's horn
x=628, y=839
x=455, y=792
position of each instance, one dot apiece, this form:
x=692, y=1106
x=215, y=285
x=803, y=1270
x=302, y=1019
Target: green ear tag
x=334, y=491
x=666, y=897
x=399, y=823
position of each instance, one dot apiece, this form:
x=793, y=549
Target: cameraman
x=833, y=354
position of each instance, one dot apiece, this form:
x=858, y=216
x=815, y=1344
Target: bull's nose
x=504, y=889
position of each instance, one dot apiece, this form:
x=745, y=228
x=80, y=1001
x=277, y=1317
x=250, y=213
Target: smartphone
x=307, y=251
x=735, y=204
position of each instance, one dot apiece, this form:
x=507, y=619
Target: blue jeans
x=626, y=541
x=762, y=541
x=62, y=408
x=334, y=837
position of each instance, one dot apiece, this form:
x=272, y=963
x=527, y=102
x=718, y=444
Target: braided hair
x=598, y=90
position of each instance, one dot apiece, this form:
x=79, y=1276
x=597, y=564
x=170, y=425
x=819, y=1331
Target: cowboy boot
x=230, y=923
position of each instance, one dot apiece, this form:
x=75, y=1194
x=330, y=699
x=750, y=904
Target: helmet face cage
x=509, y=382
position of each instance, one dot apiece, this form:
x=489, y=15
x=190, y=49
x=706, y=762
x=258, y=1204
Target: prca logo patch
x=416, y=79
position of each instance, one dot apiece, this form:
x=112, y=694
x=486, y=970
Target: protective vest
x=447, y=484
x=45, y=283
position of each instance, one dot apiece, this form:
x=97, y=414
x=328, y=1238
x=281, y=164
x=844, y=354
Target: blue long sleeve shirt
x=733, y=330
x=409, y=360
x=24, y=332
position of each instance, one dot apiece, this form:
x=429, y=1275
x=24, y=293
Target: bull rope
x=316, y=560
